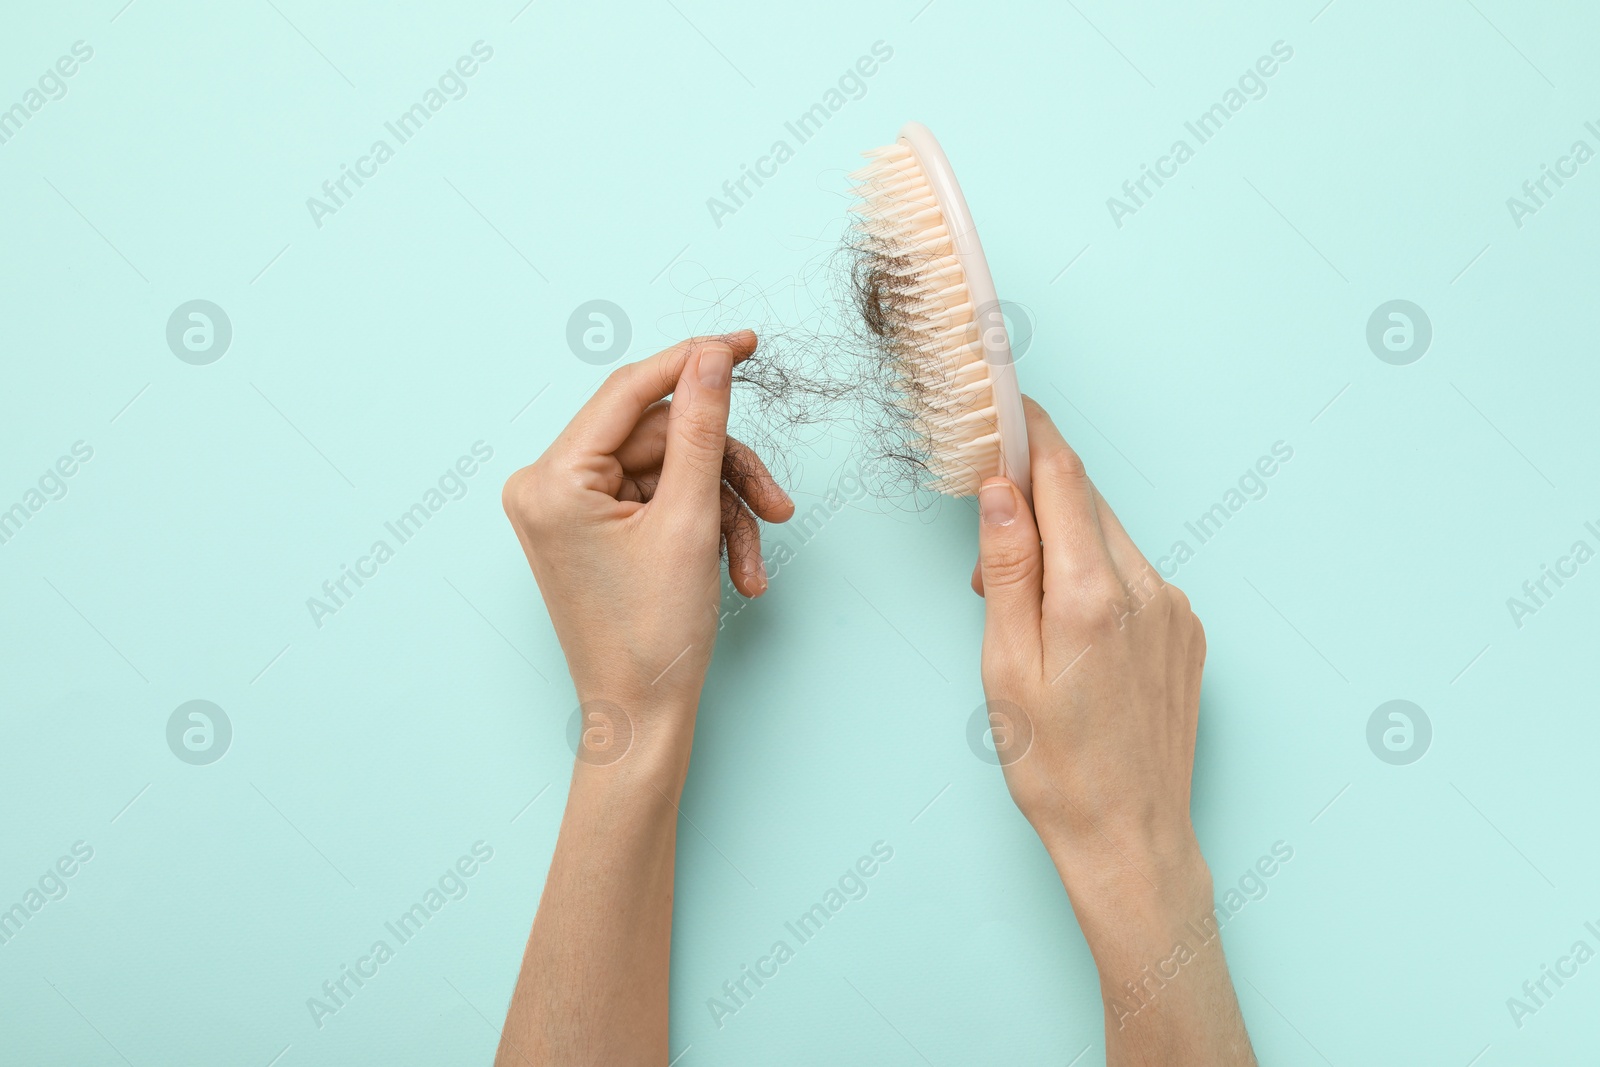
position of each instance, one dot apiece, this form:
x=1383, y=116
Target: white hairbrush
x=932, y=301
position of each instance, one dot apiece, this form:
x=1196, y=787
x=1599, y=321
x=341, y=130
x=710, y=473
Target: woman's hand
x=622, y=516
x=1098, y=661
x=1091, y=664
x=621, y=519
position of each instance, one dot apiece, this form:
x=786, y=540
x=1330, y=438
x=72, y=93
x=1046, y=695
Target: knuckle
x=700, y=428
x=1147, y=584
x=705, y=429
x=527, y=500
x=741, y=464
x=1006, y=563
x=735, y=525
x=517, y=494
x=1066, y=466
x=1100, y=589
x=1101, y=604
x=620, y=377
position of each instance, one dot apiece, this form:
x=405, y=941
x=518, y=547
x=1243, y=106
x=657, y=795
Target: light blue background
x=368, y=354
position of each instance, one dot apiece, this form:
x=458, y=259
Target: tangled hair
x=830, y=367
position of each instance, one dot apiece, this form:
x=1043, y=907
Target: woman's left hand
x=622, y=518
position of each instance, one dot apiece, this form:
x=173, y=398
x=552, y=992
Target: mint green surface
x=429, y=713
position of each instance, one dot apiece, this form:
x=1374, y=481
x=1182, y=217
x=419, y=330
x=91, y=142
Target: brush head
x=924, y=289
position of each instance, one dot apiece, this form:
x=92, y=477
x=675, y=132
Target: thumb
x=1012, y=564
x=697, y=433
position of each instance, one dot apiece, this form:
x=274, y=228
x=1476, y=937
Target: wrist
x=1137, y=899
x=633, y=743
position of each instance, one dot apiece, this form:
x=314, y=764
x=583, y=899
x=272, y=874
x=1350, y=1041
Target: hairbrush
x=924, y=289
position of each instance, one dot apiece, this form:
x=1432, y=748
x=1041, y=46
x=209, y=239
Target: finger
x=645, y=448
x=1131, y=564
x=603, y=423
x=742, y=534
x=977, y=577
x=1063, y=497
x=697, y=430
x=646, y=444
x=1013, y=571
x=639, y=487
x=742, y=468
x=750, y=478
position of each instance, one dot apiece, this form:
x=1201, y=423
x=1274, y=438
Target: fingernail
x=997, y=505
x=761, y=574
x=716, y=366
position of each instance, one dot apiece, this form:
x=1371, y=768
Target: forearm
x=593, y=984
x=1163, y=978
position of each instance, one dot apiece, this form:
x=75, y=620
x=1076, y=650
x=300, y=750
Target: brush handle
x=1013, y=424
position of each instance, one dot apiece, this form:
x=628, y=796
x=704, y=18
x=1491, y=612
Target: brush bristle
x=915, y=297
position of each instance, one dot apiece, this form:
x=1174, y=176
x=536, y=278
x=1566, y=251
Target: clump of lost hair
x=829, y=372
